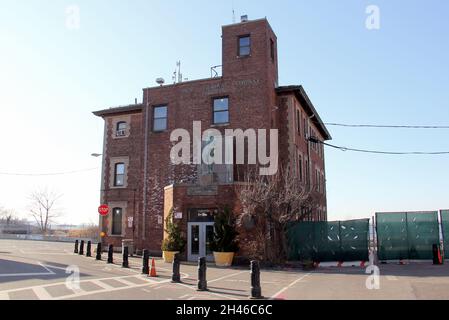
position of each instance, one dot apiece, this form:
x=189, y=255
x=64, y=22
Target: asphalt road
x=45, y=271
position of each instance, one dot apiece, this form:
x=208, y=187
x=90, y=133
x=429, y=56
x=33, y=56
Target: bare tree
x=271, y=203
x=8, y=216
x=43, y=208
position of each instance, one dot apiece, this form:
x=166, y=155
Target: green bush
x=225, y=234
x=174, y=240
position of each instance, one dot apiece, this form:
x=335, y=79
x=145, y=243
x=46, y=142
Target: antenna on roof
x=233, y=13
x=177, y=75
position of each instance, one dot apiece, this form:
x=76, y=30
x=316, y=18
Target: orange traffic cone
x=153, y=269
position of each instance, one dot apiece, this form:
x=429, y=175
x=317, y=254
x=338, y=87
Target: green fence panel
x=354, y=240
x=423, y=233
x=445, y=229
x=406, y=235
x=392, y=242
x=329, y=241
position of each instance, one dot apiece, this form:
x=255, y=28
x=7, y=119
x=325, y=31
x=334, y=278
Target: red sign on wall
x=103, y=209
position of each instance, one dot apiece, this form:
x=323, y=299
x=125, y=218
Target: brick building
x=139, y=182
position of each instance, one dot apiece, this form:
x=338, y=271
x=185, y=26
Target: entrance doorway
x=200, y=235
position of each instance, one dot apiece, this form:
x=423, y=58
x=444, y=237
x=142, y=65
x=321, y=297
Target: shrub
x=225, y=234
x=174, y=240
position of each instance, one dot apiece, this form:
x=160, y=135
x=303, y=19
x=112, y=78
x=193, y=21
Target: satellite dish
x=160, y=81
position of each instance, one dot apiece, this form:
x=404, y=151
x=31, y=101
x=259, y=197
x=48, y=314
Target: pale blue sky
x=51, y=78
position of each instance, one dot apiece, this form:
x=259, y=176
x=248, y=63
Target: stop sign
x=103, y=209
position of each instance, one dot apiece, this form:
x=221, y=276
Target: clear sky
x=53, y=75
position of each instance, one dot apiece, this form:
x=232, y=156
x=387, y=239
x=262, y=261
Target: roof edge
x=302, y=96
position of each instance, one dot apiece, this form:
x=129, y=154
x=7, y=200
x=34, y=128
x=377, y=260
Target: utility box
x=130, y=244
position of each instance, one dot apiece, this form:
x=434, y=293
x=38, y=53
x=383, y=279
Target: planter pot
x=223, y=259
x=169, y=256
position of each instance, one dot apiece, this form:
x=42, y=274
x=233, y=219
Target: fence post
x=125, y=263
x=81, y=252
x=202, y=282
x=76, y=247
x=111, y=254
x=89, y=249
x=146, y=262
x=176, y=276
x=98, y=257
x=256, y=290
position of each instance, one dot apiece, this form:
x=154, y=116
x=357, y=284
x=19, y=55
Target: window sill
x=214, y=125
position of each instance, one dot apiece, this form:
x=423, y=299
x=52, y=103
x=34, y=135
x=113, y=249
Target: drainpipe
x=145, y=167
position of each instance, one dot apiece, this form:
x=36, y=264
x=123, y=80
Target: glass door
x=200, y=235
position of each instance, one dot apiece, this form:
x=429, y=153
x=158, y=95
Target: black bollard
x=176, y=276
x=76, y=247
x=98, y=257
x=146, y=262
x=111, y=254
x=125, y=263
x=81, y=252
x=202, y=282
x=256, y=290
x=89, y=249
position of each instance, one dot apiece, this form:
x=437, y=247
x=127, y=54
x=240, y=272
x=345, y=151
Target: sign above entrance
x=202, y=215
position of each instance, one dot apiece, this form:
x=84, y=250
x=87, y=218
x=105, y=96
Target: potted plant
x=224, y=244
x=174, y=242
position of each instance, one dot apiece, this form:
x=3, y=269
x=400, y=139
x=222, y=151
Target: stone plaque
x=202, y=190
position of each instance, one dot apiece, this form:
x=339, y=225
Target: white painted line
x=392, y=278
x=228, y=276
x=42, y=294
x=126, y=282
x=184, y=296
x=4, y=296
x=209, y=292
x=290, y=285
x=102, y=284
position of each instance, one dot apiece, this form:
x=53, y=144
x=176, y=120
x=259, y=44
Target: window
x=298, y=121
x=119, y=175
x=117, y=214
x=244, y=46
x=300, y=167
x=272, y=49
x=120, y=129
x=305, y=128
x=221, y=110
x=160, y=118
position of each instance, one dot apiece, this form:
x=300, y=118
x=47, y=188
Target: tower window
x=221, y=111
x=244, y=46
x=272, y=49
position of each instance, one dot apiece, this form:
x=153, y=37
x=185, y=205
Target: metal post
x=81, y=252
x=125, y=263
x=98, y=257
x=76, y=247
x=89, y=249
x=256, y=290
x=202, y=282
x=176, y=276
x=111, y=254
x=146, y=262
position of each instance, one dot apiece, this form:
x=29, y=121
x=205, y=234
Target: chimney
x=244, y=18
x=135, y=100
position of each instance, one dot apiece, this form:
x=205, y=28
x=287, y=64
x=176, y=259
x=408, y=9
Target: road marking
x=102, y=284
x=42, y=294
x=228, y=276
x=209, y=292
x=392, y=278
x=125, y=282
x=30, y=274
x=4, y=296
x=289, y=286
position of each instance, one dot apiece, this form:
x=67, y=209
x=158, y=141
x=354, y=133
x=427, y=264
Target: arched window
x=119, y=175
x=117, y=214
x=121, y=129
